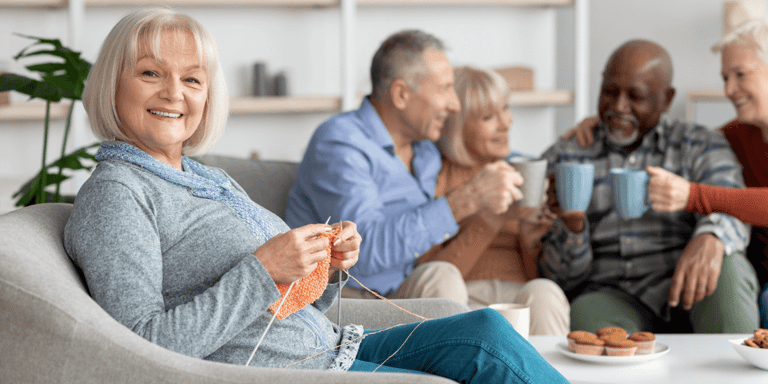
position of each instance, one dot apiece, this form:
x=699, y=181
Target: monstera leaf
x=63, y=78
x=80, y=159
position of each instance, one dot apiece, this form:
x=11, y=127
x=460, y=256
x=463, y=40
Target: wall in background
x=305, y=43
x=687, y=28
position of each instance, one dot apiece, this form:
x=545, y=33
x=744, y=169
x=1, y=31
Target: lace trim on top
x=348, y=350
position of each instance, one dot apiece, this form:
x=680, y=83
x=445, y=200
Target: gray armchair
x=51, y=331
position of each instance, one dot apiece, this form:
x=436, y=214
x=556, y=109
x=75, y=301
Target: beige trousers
x=550, y=311
x=439, y=279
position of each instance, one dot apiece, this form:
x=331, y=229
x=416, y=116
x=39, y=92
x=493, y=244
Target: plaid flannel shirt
x=639, y=256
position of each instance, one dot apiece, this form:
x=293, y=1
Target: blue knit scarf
x=202, y=181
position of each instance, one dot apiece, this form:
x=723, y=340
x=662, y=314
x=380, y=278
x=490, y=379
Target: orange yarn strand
x=385, y=299
x=309, y=288
x=401, y=345
x=371, y=333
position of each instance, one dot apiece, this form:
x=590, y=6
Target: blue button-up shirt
x=639, y=256
x=350, y=172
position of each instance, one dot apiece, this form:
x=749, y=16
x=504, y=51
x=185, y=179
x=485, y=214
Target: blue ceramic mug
x=574, y=185
x=630, y=192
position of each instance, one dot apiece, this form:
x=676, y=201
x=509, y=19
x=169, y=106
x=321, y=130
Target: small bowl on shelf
x=756, y=356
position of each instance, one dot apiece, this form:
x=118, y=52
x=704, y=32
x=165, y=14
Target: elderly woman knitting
x=178, y=253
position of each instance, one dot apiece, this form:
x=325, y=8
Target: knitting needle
x=338, y=308
x=247, y=363
x=287, y=292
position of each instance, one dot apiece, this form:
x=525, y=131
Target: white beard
x=619, y=140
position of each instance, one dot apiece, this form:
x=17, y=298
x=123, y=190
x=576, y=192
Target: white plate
x=758, y=357
x=658, y=351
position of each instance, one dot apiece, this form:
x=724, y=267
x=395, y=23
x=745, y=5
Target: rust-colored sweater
x=481, y=250
x=749, y=205
x=752, y=151
x=748, y=145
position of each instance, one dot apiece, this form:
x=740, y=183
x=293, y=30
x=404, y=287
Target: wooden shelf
x=519, y=3
x=277, y=105
x=295, y=104
x=701, y=95
x=309, y=104
x=541, y=98
x=32, y=111
x=33, y=3
x=284, y=3
x=237, y=106
x=706, y=95
x=213, y=3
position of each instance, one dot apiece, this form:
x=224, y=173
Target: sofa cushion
x=267, y=182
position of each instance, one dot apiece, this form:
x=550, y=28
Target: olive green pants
x=731, y=309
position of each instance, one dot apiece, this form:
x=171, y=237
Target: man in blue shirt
x=377, y=167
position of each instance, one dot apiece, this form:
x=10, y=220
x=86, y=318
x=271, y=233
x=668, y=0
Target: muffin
x=646, y=342
x=611, y=332
x=576, y=334
x=612, y=336
x=586, y=345
x=616, y=347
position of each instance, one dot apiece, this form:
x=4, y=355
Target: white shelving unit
x=272, y=105
x=330, y=41
x=348, y=10
x=701, y=95
x=32, y=3
x=709, y=107
x=32, y=111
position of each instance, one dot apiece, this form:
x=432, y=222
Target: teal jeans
x=731, y=309
x=475, y=347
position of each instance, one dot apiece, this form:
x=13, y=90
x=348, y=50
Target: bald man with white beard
x=661, y=272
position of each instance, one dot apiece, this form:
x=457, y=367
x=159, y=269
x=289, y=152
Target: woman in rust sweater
x=496, y=254
x=744, y=67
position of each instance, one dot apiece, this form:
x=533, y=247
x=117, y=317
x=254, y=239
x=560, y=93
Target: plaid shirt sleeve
x=713, y=163
x=566, y=256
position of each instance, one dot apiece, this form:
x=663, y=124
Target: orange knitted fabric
x=309, y=288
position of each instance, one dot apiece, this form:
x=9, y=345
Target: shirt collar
x=662, y=141
x=373, y=127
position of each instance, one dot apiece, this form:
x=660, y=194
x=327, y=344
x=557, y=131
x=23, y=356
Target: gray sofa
x=51, y=331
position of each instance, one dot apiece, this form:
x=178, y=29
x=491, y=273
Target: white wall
x=686, y=28
x=306, y=44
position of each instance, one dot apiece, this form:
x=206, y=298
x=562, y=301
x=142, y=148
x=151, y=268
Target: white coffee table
x=700, y=358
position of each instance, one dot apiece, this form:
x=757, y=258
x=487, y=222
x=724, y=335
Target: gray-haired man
x=377, y=166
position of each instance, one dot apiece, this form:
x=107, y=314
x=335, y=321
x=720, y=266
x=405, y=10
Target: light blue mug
x=630, y=192
x=574, y=183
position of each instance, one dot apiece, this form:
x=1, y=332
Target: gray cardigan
x=179, y=271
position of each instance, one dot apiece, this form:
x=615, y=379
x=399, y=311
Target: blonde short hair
x=752, y=34
x=479, y=90
x=120, y=51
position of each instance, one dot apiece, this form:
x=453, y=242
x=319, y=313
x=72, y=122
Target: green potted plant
x=63, y=78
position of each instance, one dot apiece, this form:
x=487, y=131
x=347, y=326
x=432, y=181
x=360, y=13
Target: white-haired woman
x=496, y=254
x=162, y=240
x=176, y=251
x=744, y=68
